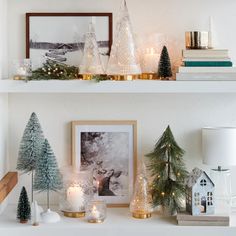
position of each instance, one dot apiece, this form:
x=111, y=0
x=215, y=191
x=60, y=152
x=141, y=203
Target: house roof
x=194, y=176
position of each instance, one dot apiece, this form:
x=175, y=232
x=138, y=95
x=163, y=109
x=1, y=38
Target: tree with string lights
x=168, y=172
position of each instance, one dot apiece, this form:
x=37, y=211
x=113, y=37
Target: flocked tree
x=168, y=172
x=47, y=175
x=23, y=209
x=30, y=147
x=164, y=67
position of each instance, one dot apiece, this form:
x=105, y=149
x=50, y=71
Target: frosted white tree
x=30, y=147
x=48, y=178
x=123, y=59
x=91, y=63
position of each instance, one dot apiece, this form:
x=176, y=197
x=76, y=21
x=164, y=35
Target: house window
x=203, y=182
x=197, y=199
x=209, y=199
x=188, y=197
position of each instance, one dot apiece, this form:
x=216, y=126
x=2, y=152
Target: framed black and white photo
x=61, y=36
x=109, y=150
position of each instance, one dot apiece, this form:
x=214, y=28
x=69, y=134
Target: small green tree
x=164, y=67
x=168, y=171
x=23, y=209
x=30, y=147
x=47, y=175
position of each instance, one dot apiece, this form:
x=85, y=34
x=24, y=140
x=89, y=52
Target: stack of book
x=186, y=219
x=210, y=64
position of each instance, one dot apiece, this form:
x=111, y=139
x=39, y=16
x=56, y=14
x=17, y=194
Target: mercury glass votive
x=95, y=211
x=22, y=69
x=76, y=193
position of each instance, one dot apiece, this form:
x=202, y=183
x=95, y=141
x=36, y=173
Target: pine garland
x=168, y=172
x=99, y=78
x=52, y=70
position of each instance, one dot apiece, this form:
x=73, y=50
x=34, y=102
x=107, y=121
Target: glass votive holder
x=22, y=69
x=95, y=211
x=76, y=193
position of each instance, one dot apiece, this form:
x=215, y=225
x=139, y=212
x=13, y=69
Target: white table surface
x=118, y=222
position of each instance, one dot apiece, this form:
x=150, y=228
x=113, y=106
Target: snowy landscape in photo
x=62, y=38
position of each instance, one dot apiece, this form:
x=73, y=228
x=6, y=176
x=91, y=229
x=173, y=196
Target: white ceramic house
x=199, y=193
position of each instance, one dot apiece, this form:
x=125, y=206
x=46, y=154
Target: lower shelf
x=118, y=222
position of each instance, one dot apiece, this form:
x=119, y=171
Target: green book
x=208, y=63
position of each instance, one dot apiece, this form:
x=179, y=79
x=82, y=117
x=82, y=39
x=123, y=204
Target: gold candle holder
x=149, y=76
x=141, y=215
x=124, y=77
x=87, y=77
x=74, y=214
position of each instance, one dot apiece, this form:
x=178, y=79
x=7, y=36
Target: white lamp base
x=223, y=195
x=50, y=216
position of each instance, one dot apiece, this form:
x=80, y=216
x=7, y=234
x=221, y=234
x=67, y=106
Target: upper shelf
x=137, y=86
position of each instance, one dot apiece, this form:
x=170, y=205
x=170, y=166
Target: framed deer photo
x=109, y=150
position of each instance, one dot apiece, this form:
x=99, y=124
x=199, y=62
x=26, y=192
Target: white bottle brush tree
x=123, y=59
x=48, y=178
x=91, y=61
x=30, y=148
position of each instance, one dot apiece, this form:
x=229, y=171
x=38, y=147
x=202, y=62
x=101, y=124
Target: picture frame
x=109, y=150
x=60, y=36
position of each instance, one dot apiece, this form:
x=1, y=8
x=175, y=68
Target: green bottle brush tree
x=168, y=172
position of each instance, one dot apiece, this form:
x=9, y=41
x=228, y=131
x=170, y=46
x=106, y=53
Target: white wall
x=185, y=113
x=3, y=139
x=3, y=39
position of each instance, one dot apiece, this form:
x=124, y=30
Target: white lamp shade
x=219, y=146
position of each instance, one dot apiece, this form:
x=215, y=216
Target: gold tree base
x=149, y=76
x=87, y=77
x=124, y=77
x=139, y=215
x=18, y=77
x=73, y=214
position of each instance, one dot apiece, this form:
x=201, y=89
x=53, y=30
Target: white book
x=212, y=69
x=205, y=59
x=206, y=53
x=205, y=76
x=203, y=223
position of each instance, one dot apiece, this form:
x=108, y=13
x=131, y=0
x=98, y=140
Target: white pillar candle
x=150, y=61
x=75, y=197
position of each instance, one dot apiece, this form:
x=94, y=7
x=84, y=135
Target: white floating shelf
x=118, y=222
x=137, y=86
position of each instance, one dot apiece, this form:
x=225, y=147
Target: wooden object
x=185, y=219
x=7, y=183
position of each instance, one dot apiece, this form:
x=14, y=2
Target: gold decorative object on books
x=197, y=40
